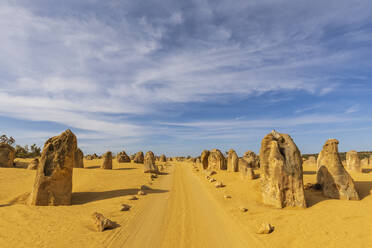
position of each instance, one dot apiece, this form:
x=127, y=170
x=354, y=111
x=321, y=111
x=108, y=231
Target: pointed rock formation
x=252, y=159
x=232, y=161
x=79, y=159
x=107, y=161
x=216, y=160
x=149, y=163
x=139, y=158
x=281, y=172
x=101, y=222
x=332, y=177
x=204, y=159
x=163, y=158
x=122, y=157
x=7, y=155
x=53, y=182
x=353, y=161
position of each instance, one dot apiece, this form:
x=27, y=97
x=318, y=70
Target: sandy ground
x=182, y=209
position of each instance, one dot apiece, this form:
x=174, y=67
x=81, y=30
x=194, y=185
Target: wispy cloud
x=115, y=75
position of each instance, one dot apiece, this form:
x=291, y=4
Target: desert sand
x=182, y=209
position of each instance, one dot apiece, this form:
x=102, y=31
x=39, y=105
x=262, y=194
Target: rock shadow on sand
x=364, y=188
x=309, y=172
x=126, y=169
x=93, y=167
x=79, y=198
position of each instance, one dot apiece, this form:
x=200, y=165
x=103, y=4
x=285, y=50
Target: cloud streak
x=119, y=74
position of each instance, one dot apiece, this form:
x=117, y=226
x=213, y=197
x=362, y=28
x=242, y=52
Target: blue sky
x=182, y=76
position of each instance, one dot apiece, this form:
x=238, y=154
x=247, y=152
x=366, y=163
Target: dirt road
x=185, y=216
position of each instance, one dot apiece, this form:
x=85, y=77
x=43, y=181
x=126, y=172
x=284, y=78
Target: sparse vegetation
x=26, y=152
x=21, y=151
x=4, y=139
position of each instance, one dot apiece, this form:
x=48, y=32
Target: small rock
x=207, y=177
x=219, y=185
x=265, y=228
x=141, y=192
x=243, y=209
x=144, y=187
x=212, y=180
x=101, y=222
x=308, y=186
x=125, y=207
x=227, y=196
x=153, y=176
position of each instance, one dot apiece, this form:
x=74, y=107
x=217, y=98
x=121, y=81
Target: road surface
x=186, y=215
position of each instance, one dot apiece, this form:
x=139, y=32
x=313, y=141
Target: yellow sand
x=183, y=209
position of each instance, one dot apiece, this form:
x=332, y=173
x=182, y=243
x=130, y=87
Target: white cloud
x=90, y=73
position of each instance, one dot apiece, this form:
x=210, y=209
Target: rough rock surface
x=232, y=161
x=122, y=157
x=204, y=159
x=139, y=158
x=33, y=164
x=353, y=161
x=7, y=155
x=332, y=177
x=79, y=159
x=265, y=228
x=252, y=159
x=53, y=182
x=246, y=172
x=107, y=161
x=216, y=160
x=281, y=172
x=149, y=163
x=101, y=222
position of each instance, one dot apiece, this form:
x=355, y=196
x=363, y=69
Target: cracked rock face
x=332, y=177
x=204, y=159
x=281, y=172
x=216, y=160
x=79, y=159
x=252, y=159
x=232, y=161
x=7, y=155
x=353, y=162
x=149, y=163
x=101, y=223
x=53, y=182
x=139, y=158
x=122, y=157
x=107, y=161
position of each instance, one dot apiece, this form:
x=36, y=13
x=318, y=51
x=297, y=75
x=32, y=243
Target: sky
x=177, y=77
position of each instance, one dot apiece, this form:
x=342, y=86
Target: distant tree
x=4, y=139
x=25, y=152
x=35, y=150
